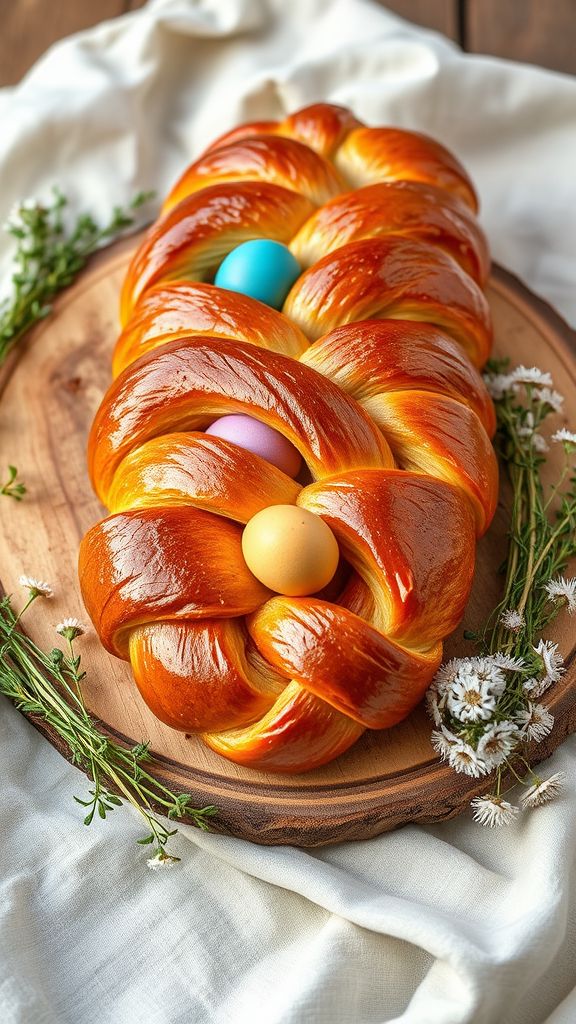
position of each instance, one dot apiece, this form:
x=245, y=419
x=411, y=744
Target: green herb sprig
x=49, y=686
x=13, y=488
x=49, y=257
x=542, y=535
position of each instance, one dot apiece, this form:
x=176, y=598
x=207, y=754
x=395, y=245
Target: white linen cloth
x=429, y=925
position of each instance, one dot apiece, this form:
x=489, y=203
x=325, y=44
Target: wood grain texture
x=29, y=27
x=441, y=15
x=50, y=391
x=524, y=30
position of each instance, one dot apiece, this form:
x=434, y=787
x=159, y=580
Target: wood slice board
x=50, y=391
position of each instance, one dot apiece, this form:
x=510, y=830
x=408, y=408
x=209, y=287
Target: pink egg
x=259, y=438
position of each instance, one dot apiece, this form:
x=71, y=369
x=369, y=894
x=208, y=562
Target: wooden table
x=535, y=31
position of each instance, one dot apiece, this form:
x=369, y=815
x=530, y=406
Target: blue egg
x=263, y=269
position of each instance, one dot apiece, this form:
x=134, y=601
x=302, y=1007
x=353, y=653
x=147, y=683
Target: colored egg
x=259, y=438
x=290, y=550
x=262, y=268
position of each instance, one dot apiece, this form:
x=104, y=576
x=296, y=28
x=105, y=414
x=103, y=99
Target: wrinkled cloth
x=445, y=924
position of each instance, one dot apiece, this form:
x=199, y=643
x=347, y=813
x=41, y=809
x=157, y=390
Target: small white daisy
x=463, y=758
x=470, y=700
x=534, y=687
x=161, y=860
x=565, y=436
x=71, y=628
x=550, y=397
x=552, y=659
x=443, y=740
x=508, y=662
x=535, y=721
x=532, y=376
x=493, y=811
x=498, y=384
x=512, y=620
x=562, y=589
x=542, y=792
x=497, y=742
x=446, y=675
x=489, y=672
x=37, y=588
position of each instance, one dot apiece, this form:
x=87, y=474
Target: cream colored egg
x=290, y=550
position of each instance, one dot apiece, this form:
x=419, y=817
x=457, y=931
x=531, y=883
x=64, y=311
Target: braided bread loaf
x=371, y=371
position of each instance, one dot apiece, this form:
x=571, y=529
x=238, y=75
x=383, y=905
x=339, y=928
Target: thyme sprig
x=13, y=488
x=49, y=256
x=49, y=687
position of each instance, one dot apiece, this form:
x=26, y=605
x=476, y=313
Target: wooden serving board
x=50, y=391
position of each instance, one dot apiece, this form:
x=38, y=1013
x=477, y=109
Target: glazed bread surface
x=371, y=370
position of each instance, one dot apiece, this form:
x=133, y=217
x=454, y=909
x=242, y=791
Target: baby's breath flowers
x=49, y=256
x=485, y=709
x=48, y=686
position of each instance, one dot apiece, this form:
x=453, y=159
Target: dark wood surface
x=49, y=395
x=29, y=27
x=535, y=31
x=441, y=15
x=532, y=31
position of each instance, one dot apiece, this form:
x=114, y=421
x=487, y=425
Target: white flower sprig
x=485, y=709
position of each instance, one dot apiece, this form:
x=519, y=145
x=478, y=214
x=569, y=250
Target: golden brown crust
x=186, y=384
x=176, y=310
x=371, y=370
x=190, y=241
x=396, y=279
